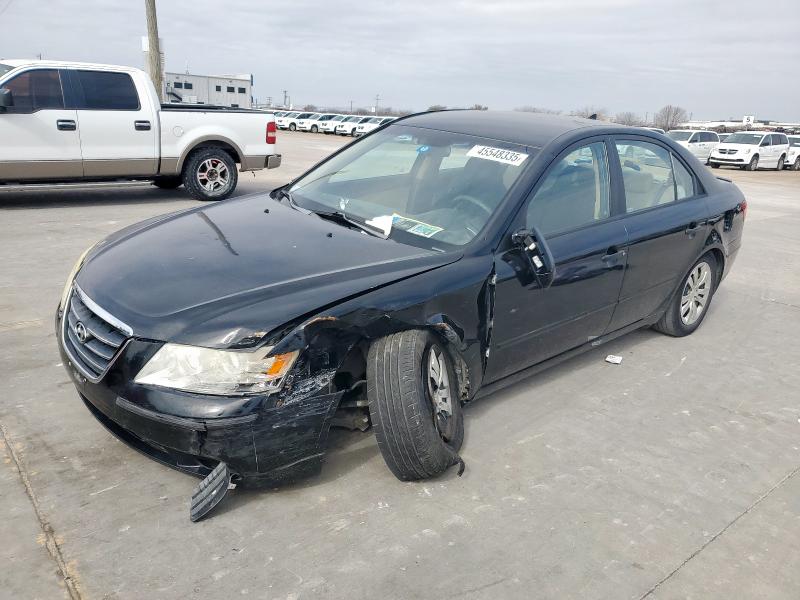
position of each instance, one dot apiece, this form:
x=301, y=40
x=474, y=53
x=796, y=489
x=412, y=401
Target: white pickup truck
x=66, y=122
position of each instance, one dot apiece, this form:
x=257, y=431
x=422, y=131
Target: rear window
x=4, y=69
x=680, y=136
x=103, y=90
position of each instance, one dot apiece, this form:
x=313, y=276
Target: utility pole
x=377, y=100
x=285, y=99
x=153, y=47
x=351, y=107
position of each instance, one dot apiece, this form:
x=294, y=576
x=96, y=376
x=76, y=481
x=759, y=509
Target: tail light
x=743, y=208
x=272, y=132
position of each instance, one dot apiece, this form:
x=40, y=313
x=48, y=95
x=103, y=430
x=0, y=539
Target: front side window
x=104, y=90
x=36, y=90
x=646, y=174
x=574, y=192
x=399, y=180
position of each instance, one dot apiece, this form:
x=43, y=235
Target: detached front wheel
x=210, y=174
x=414, y=404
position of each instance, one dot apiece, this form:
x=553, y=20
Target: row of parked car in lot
x=748, y=150
x=352, y=125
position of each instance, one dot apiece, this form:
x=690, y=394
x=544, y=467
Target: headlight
x=71, y=277
x=747, y=151
x=216, y=372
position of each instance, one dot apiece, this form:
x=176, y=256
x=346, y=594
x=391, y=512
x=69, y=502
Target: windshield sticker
x=414, y=226
x=507, y=157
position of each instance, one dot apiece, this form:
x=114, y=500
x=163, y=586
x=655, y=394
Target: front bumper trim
x=183, y=422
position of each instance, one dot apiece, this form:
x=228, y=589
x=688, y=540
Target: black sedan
x=438, y=258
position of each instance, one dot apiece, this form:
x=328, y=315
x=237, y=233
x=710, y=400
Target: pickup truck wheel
x=690, y=303
x=414, y=404
x=168, y=183
x=210, y=174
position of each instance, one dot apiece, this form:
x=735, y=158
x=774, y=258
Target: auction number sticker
x=508, y=157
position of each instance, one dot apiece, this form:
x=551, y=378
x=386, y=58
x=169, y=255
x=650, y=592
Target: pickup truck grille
x=91, y=341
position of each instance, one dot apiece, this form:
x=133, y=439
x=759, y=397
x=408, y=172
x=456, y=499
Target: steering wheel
x=473, y=201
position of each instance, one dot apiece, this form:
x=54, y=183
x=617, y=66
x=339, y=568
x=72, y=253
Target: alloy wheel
x=213, y=175
x=440, y=392
x=696, y=293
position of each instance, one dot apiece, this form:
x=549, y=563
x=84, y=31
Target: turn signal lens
x=272, y=132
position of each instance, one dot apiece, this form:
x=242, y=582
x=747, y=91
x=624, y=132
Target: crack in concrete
x=758, y=501
x=52, y=545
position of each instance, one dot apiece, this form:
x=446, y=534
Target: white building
x=219, y=90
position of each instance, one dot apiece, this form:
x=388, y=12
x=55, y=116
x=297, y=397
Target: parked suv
x=752, y=149
x=793, y=158
x=699, y=143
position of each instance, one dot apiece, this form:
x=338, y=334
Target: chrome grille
x=91, y=337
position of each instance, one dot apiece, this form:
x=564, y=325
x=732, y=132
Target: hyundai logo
x=82, y=332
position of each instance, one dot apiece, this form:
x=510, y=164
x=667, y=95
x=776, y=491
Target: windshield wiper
x=342, y=219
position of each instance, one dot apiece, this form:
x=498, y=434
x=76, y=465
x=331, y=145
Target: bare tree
x=588, y=111
x=669, y=117
x=310, y=108
x=437, y=107
x=537, y=109
x=479, y=107
x=628, y=118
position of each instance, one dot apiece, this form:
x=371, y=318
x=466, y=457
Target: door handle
x=692, y=229
x=613, y=255
x=66, y=125
x=141, y=125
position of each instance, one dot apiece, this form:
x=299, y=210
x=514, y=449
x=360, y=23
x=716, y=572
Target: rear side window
x=103, y=90
x=646, y=174
x=574, y=193
x=36, y=90
x=779, y=139
x=684, y=182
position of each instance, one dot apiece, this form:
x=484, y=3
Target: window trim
x=61, y=78
x=614, y=191
x=79, y=97
x=699, y=189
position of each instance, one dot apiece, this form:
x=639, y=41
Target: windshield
x=428, y=188
x=4, y=69
x=337, y=118
x=794, y=141
x=752, y=139
x=680, y=136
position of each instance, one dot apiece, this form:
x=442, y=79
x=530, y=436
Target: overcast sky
x=716, y=59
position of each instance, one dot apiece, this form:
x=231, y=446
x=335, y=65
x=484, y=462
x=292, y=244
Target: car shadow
x=116, y=195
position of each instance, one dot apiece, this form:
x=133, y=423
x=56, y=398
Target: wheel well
x=215, y=144
x=720, y=258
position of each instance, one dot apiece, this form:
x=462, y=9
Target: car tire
x=417, y=436
x=781, y=161
x=714, y=165
x=198, y=171
x=753, y=164
x=353, y=132
x=314, y=129
x=292, y=127
x=682, y=316
x=168, y=183
x=796, y=164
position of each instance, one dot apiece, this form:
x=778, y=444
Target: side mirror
x=6, y=98
x=540, y=261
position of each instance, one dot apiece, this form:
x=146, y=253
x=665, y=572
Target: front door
x=666, y=220
x=119, y=131
x=572, y=207
x=39, y=138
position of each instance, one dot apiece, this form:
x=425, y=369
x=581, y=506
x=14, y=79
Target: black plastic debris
x=210, y=492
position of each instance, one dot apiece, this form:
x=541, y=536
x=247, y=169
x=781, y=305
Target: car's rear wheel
x=714, y=165
x=210, y=174
x=414, y=404
x=753, y=164
x=168, y=183
x=690, y=303
x=779, y=166
x=796, y=164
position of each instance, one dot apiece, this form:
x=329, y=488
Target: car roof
x=62, y=64
x=524, y=128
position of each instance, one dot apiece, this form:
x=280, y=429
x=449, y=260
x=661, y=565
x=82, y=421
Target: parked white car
x=283, y=121
x=314, y=124
x=751, y=150
x=371, y=125
x=65, y=122
x=793, y=158
x=304, y=121
x=349, y=125
x=699, y=143
x=330, y=125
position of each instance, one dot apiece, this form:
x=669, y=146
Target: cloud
x=625, y=55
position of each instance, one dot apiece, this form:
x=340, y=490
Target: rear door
x=573, y=206
x=39, y=137
x=666, y=218
x=119, y=130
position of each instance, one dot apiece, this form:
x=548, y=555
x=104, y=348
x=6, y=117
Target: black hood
x=216, y=275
